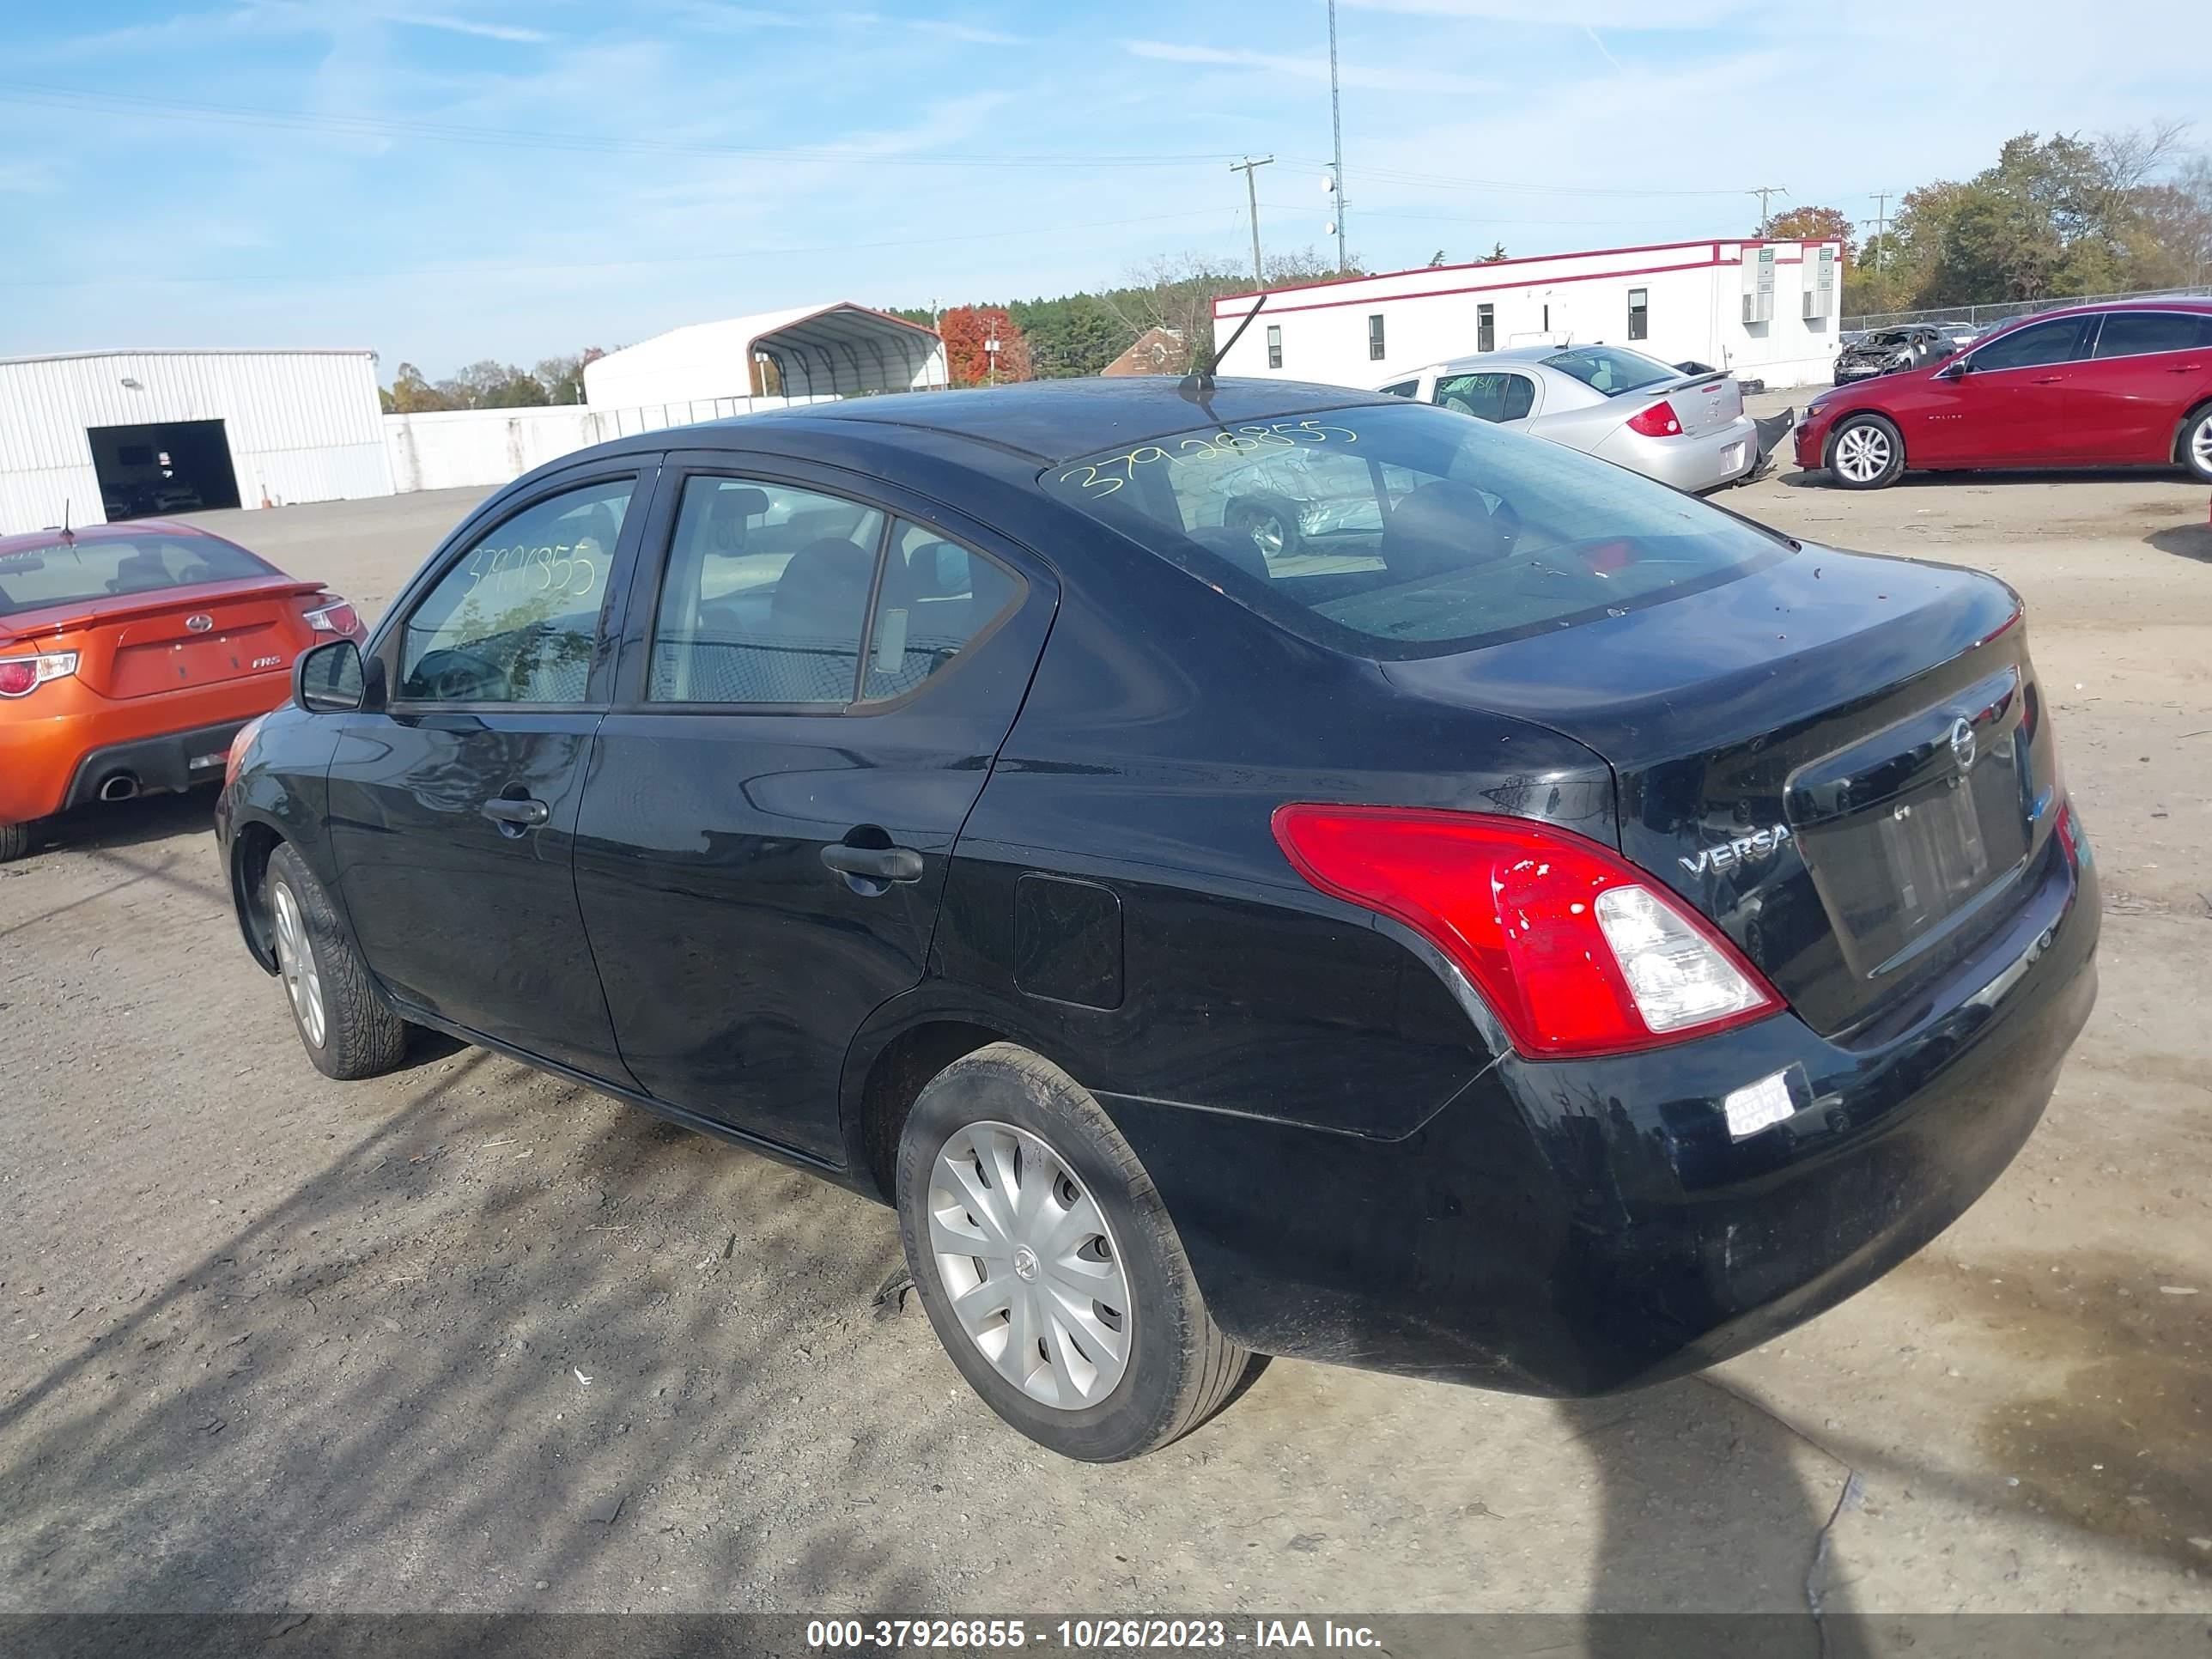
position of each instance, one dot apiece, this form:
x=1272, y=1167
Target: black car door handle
x=525, y=814
x=876, y=863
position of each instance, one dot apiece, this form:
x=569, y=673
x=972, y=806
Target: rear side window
x=62, y=573
x=516, y=619
x=765, y=596
x=937, y=597
x=1490, y=396
x=1609, y=369
x=2137, y=334
x=1399, y=530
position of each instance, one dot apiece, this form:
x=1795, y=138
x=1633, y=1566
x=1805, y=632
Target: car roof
x=1042, y=421
x=22, y=541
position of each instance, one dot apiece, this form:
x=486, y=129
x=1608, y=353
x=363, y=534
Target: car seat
x=1441, y=529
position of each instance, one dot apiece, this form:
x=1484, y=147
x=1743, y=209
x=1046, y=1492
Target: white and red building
x=1765, y=310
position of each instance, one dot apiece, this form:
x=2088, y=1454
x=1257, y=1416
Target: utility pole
x=1336, y=135
x=1763, y=192
x=1881, y=228
x=1248, y=167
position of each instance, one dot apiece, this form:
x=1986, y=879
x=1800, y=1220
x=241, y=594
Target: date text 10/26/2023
x=1084, y=1635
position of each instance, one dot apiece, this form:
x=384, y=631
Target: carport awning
x=847, y=348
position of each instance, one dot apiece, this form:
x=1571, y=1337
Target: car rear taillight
x=21, y=676
x=334, y=616
x=1576, y=951
x=1660, y=421
x=239, y=744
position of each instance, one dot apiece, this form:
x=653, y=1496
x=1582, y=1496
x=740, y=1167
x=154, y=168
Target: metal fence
x=1981, y=316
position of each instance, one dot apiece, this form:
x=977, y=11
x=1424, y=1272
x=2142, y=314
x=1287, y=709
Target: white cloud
x=1310, y=69
x=1672, y=15
x=467, y=26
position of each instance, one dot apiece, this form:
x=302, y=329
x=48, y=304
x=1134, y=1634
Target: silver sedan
x=1687, y=430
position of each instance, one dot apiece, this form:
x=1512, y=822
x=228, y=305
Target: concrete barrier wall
x=461, y=448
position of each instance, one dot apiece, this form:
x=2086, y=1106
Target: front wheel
x=1048, y=1264
x=1866, y=453
x=344, y=1024
x=2196, y=445
x=15, y=841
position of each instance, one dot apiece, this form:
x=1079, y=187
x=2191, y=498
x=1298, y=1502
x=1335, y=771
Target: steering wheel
x=451, y=676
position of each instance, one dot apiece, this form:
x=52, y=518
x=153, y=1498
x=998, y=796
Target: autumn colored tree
x=1814, y=224
x=967, y=332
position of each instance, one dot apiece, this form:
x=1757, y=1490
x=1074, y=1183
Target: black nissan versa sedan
x=1546, y=932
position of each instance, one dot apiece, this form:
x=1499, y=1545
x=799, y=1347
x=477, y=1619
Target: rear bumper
x=1694, y=463
x=59, y=742
x=174, y=761
x=1577, y=1228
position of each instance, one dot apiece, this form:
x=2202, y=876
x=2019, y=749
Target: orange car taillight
x=1576, y=951
x=21, y=676
x=337, y=616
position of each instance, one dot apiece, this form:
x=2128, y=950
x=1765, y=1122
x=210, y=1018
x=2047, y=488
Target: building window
x=1639, y=313
x=1274, y=345
x=1486, y=328
x=1374, y=339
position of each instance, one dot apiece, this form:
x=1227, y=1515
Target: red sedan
x=130, y=654
x=2094, y=386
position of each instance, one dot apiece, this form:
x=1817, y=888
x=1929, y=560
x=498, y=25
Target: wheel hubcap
x=296, y=961
x=1030, y=1265
x=2201, y=445
x=1267, y=535
x=1862, y=453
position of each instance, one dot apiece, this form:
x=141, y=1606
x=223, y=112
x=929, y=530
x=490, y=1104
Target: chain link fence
x=1982, y=316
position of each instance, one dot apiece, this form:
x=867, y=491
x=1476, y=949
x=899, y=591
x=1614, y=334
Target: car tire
x=981, y=1132
x=349, y=1031
x=1866, y=452
x=2196, y=444
x=1272, y=527
x=15, y=841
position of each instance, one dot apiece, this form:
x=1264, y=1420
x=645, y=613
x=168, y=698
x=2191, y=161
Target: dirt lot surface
x=467, y=1338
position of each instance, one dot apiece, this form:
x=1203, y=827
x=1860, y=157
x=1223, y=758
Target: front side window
x=1486, y=328
x=936, y=597
x=2058, y=342
x=1402, y=388
x=1374, y=339
x=96, y=567
x=516, y=619
x=1412, y=533
x=2138, y=334
x=1639, y=313
x=1490, y=396
x=765, y=596
x=1274, y=345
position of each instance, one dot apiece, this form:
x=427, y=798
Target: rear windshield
x=33, y=578
x=1403, y=530
x=1611, y=370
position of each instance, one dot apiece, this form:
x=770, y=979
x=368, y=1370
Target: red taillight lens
x=336, y=617
x=21, y=676
x=239, y=744
x=1577, y=951
x=1660, y=421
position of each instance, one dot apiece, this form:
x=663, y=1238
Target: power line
x=366, y=126
x=1511, y=186
x=1763, y=192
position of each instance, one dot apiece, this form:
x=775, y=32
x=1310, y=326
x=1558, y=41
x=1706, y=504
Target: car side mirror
x=1955, y=369
x=335, y=679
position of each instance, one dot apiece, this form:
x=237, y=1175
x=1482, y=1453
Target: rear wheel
x=15, y=841
x=2196, y=444
x=1866, y=453
x=344, y=1024
x=1048, y=1264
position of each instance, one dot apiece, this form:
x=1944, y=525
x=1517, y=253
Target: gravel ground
x=467, y=1338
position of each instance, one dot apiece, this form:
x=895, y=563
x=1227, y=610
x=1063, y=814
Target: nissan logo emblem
x=200, y=624
x=1962, y=744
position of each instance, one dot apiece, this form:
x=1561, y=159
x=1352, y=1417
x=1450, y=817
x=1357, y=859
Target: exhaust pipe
x=123, y=785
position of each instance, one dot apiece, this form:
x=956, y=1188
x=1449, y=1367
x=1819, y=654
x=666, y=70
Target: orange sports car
x=130, y=656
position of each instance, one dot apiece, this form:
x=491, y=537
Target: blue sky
x=443, y=181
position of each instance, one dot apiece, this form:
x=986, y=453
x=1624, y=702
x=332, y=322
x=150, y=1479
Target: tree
x=413, y=394
x=1496, y=256
x=966, y=330
x=1436, y=258
x=1814, y=224
x=563, y=377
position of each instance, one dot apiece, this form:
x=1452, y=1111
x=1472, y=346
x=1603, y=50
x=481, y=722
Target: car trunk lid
x=1840, y=759
x=172, y=639
x=1704, y=403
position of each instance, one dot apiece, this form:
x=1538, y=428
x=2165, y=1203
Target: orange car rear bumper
x=60, y=743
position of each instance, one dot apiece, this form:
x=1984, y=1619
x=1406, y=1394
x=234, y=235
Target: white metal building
x=840, y=348
x=107, y=434
x=1767, y=310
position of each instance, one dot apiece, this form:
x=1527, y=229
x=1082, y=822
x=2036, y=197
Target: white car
x=1687, y=430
